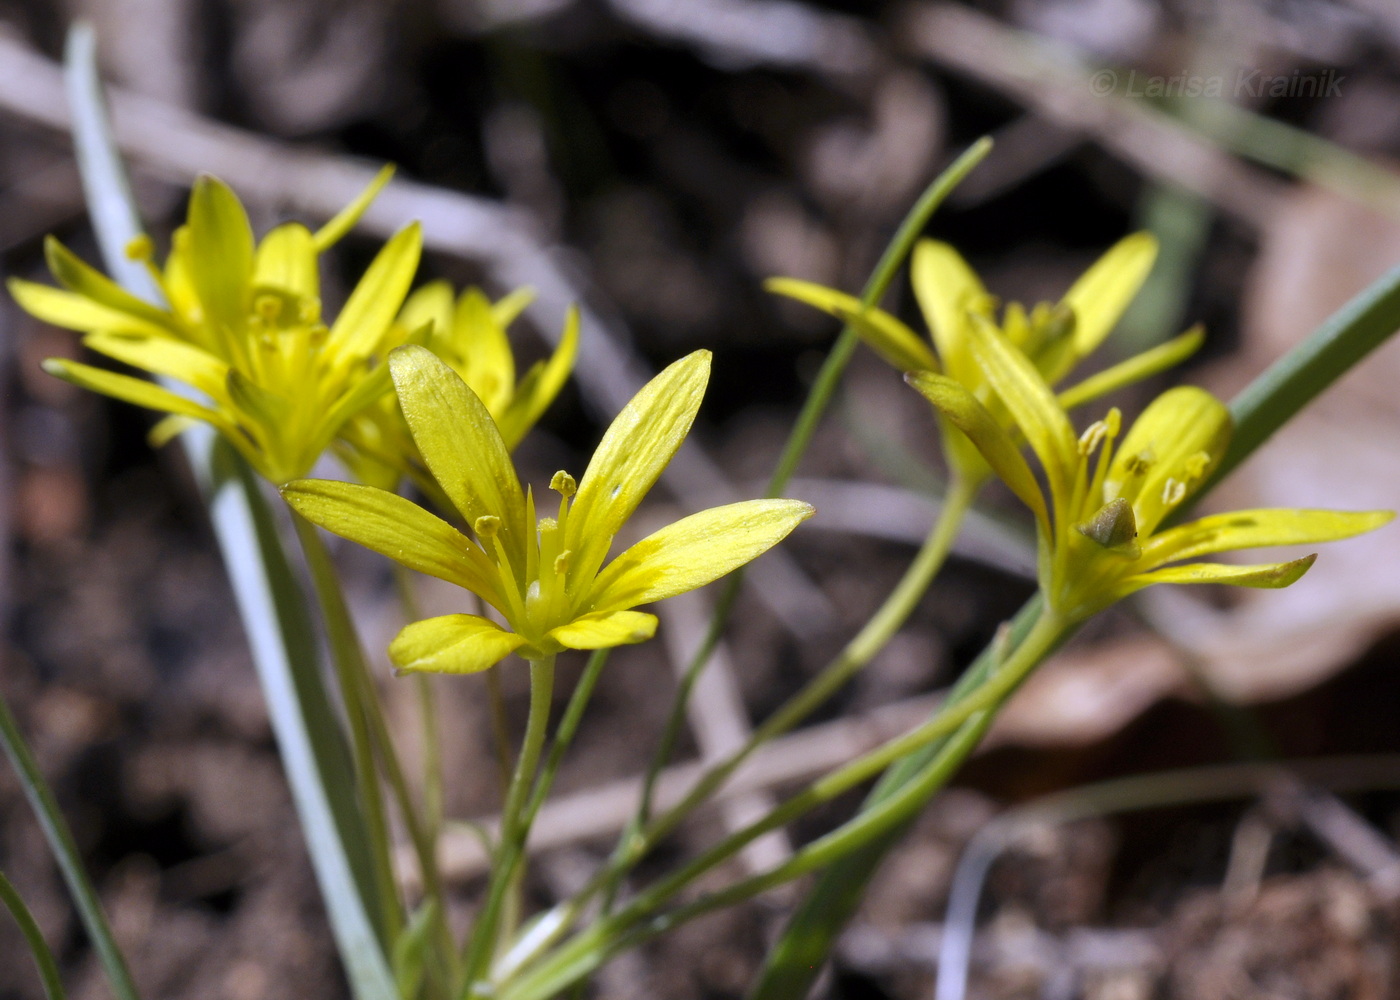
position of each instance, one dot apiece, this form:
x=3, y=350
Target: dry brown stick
x=1059, y=88
x=176, y=145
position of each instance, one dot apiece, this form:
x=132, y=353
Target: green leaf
x=34, y=938
x=269, y=598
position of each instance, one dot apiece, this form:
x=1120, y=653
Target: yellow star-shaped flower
x=1101, y=512
x=545, y=577
x=242, y=327
x=1055, y=338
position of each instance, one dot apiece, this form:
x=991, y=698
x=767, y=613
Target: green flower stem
x=515, y=828
x=815, y=406
x=60, y=839
x=432, y=786
x=350, y=670
x=548, y=929
x=964, y=719
x=873, y=637
x=34, y=938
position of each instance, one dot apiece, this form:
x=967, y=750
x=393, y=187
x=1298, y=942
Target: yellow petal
x=220, y=253
x=452, y=644
x=394, y=527
x=632, y=454
x=1179, y=437
x=481, y=342
x=163, y=356
x=286, y=261
x=332, y=232
x=1031, y=404
x=947, y=288
x=91, y=283
x=1135, y=369
x=885, y=334
x=541, y=384
x=459, y=442
x=1269, y=576
x=603, y=631
x=431, y=304
x=508, y=308
x=363, y=392
x=78, y=312
x=1252, y=529
x=168, y=429
x=378, y=296
x=1103, y=292
x=695, y=551
x=136, y=391
x=968, y=415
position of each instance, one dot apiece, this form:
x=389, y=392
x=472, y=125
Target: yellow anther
x=561, y=562
x=487, y=526
x=548, y=524
x=1173, y=492
x=1092, y=437
x=1139, y=464
x=140, y=248
x=563, y=484
x=268, y=307
x=1197, y=465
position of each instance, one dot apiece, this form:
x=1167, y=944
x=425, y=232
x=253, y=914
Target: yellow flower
x=1101, y=512
x=242, y=327
x=546, y=578
x=469, y=334
x=1054, y=337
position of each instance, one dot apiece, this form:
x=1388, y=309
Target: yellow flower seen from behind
x=1054, y=337
x=1104, y=502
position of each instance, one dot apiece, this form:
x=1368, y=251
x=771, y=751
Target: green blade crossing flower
x=1054, y=337
x=242, y=328
x=549, y=578
x=1101, y=509
x=467, y=332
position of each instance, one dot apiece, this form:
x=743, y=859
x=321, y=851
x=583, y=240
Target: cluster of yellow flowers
x=424, y=386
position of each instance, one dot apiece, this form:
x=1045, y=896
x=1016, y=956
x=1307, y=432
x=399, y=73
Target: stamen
x=141, y=248
x=1197, y=464
x=563, y=484
x=561, y=562
x=1173, y=492
x=487, y=526
x=1092, y=437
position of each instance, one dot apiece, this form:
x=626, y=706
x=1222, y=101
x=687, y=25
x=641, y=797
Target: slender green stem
x=351, y=671
x=873, y=637
x=966, y=718
x=34, y=937
x=431, y=832
x=65, y=850
x=813, y=408
x=500, y=730
x=515, y=828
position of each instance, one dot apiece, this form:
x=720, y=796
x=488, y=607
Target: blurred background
x=655, y=161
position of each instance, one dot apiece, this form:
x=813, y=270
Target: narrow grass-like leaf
x=70, y=863
x=34, y=938
x=269, y=599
